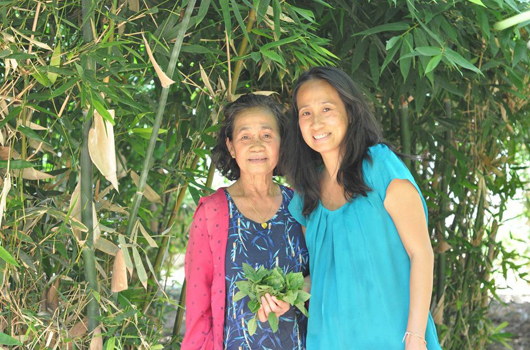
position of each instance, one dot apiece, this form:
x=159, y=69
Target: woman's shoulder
x=379, y=152
x=213, y=201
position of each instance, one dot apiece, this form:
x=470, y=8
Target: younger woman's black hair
x=302, y=163
x=220, y=154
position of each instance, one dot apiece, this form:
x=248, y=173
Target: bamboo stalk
x=158, y=119
x=405, y=129
x=242, y=49
x=441, y=260
x=86, y=190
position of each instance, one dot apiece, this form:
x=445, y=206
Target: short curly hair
x=220, y=154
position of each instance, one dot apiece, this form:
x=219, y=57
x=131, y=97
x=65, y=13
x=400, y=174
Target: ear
x=230, y=147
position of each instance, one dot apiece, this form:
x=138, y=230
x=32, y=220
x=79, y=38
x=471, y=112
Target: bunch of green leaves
x=286, y=287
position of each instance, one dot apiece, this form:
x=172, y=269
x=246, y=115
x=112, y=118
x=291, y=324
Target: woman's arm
x=404, y=205
x=199, y=275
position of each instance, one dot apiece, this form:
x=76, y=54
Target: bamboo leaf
x=149, y=193
x=126, y=256
x=146, y=235
x=206, y=80
x=9, y=340
x=225, y=9
x=203, y=10
x=101, y=147
x=8, y=258
x=32, y=174
x=374, y=64
x=389, y=27
x=3, y=196
x=433, y=63
x=239, y=19
x=119, y=273
x=55, y=62
x=140, y=270
x=96, y=343
x=15, y=164
x=164, y=79
x=456, y=58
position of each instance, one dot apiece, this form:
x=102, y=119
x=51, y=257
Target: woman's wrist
x=411, y=336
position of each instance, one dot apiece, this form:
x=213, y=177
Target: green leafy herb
x=286, y=287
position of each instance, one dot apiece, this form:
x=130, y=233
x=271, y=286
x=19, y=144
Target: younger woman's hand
x=272, y=304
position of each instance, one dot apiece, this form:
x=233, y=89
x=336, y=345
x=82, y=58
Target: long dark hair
x=302, y=163
x=220, y=153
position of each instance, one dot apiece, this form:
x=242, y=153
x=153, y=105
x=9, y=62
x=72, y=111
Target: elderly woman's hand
x=272, y=304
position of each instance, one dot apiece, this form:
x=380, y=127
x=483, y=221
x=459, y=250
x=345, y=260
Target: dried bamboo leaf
x=206, y=80
x=30, y=125
x=6, y=151
x=52, y=297
x=134, y=5
x=438, y=314
x=119, y=274
x=146, y=235
x=101, y=147
x=164, y=79
x=79, y=329
x=149, y=193
x=3, y=195
x=97, y=340
x=41, y=146
x=106, y=246
x=32, y=174
x=33, y=41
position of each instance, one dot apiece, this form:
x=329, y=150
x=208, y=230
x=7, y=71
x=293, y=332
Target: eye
x=305, y=114
x=326, y=109
x=267, y=136
x=245, y=137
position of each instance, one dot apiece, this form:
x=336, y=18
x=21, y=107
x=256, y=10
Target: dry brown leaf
x=164, y=79
x=5, y=152
x=31, y=125
x=52, y=297
x=149, y=193
x=134, y=5
x=33, y=41
x=79, y=329
x=438, y=315
x=146, y=235
x=32, y=174
x=3, y=195
x=206, y=80
x=443, y=246
x=106, y=246
x=119, y=274
x=101, y=147
x=41, y=147
x=97, y=340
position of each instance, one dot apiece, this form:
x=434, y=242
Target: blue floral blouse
x=282, y=244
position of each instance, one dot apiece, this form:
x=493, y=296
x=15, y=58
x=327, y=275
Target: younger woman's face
x=322, y=117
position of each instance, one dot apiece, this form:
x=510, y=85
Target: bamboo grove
x=108, y=109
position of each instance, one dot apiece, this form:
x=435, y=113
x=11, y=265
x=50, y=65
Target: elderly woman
x=247, y=222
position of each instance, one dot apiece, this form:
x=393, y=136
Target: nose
x=257, y=145
x=317, y=122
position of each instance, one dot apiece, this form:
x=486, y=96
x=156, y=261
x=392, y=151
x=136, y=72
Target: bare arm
x=404, y=205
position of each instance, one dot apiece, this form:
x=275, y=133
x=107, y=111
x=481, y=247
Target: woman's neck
x=332, y=162
x=256, y=186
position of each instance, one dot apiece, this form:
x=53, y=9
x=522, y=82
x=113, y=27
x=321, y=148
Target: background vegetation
x=85, y=261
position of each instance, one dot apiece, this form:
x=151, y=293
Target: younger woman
x=371, y=260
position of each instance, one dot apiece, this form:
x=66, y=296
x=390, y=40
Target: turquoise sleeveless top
x=359, y=268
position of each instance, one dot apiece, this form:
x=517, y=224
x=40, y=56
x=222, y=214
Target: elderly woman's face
x=255, y=142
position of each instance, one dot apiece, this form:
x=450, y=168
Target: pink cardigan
x=205, y=274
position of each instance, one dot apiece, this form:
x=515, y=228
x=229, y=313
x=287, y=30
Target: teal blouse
x=359, y=268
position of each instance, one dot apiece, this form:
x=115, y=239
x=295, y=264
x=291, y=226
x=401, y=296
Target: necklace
x=263, y=221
